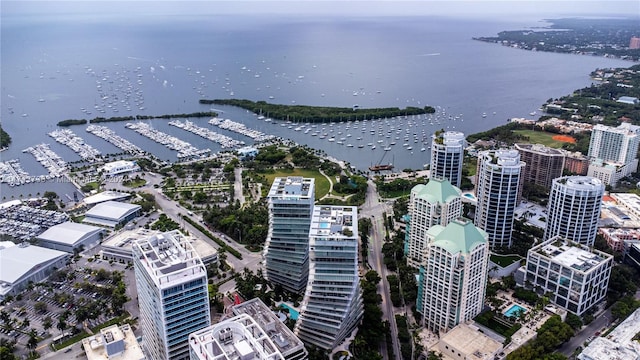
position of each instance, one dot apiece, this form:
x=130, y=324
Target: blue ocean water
x=57, y=67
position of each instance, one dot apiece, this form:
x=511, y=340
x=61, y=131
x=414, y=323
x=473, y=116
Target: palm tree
x=62, y=324
x=33, y=340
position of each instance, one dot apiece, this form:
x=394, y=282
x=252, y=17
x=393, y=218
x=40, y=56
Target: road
x=250, y=260
x=600, y=322
x=374, y=209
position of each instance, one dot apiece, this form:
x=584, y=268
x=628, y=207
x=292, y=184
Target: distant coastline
x=595, y=37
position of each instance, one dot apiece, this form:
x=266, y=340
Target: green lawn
x=322, y=184
x=134, y=183
x=504, y=260
x=540, y=137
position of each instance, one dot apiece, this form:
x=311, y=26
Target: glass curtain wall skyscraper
x=332, y=305
x=447, y=154
x=172, y=294
x=498, y=190
x=286, y=249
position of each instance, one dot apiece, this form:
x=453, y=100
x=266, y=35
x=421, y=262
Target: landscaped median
x=218, y=241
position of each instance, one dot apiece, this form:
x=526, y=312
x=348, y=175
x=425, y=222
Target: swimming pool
x=469, y=196
x=293, y=313
x=514, y=310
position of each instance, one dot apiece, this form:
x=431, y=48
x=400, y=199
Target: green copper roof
x=460, y=235
x=436, y=190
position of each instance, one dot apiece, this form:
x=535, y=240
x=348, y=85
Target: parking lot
x=82, y=289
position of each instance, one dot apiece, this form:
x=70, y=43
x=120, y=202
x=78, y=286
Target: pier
x=185, y=149
x=240, y=128
x=109, y=135
x=225, y=141
x=75, y=143
x=11, y=172
x=49, y=159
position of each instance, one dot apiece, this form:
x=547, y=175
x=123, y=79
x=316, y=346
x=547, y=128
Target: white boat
x=423, y=149
x=409, y=148
x=373, y=147
x=532, y=113
x=349, y=145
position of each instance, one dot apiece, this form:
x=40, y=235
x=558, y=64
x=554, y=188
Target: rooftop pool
x=469, y=196
x=514, y=310
x=293, y=313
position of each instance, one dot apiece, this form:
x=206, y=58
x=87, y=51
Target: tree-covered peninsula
x=585, y=36
x=5, y=139
x=70, y=122
x=313, y=114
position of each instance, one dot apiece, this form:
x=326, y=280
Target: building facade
x=435, y=203
x=172, y=294
x=453, y=277
x=543, y=163
x=447, y=155
x=332, y=305
x=575, y=276
x=574, y=209
x=619, y=144
x=498, y=190
x=613, y=152
x=576, y=163
x=286, y=250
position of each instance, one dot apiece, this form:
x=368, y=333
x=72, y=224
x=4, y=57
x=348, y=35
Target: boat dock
x=49, y=159
x=225, y=141
x=75, y=143
x=109, y=135
x=185, y=149
x=11, y=172
x=240, y=128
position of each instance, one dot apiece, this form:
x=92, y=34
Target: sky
x=458, y=8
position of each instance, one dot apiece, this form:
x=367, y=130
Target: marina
x=185, y=150
x=75, y=143
x=109, y=135
x=225, y=141
x=49, y=159
x=240, y=128
x=11, y=172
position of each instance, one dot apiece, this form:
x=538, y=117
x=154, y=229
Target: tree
x=33, y=340
x=40, y=306
x=62, y=324
x=574, y=321
x=47, y=323
x=50, y=195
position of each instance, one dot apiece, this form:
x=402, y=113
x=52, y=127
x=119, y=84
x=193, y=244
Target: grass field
x=322, y=184
x=505, y=260
x=539, y=137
